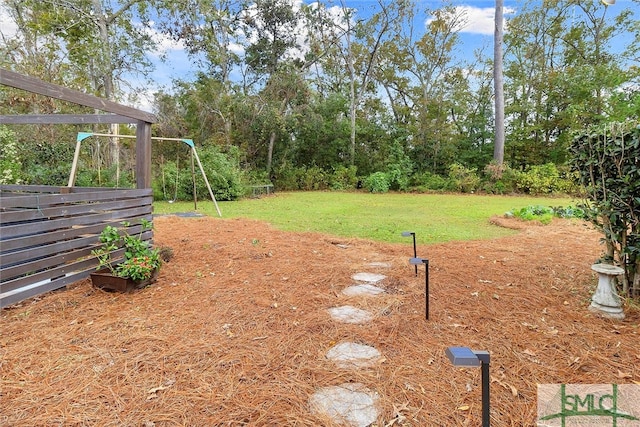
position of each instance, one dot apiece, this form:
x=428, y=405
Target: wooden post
x=143, y=155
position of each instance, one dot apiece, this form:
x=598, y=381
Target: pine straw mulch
x=235, y=331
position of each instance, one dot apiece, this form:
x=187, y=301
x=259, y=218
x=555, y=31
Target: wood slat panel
x=57, y=189
x=38, y=201
x=38, y=258
x=19, y=271
x=54, y=236
x=6, y=218
x=13, y=231
x=47, y=236
x=59, y=278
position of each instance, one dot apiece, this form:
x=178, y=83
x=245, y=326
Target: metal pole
x=485, y=395
x=206, y=181
x=193, y=180
x=485, y=359
x=415, y=252
x=426, y=287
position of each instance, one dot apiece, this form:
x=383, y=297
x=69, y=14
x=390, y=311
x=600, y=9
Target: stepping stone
x=380, y=264
x=368, y=277
x=350, y=403
x=362, y=290
x=352, y=355
x=349, y=314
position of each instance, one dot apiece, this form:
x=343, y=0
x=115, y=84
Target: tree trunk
x=272, y=141
x=498, y=150
x=105, y=72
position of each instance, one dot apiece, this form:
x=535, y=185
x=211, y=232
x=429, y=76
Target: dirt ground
x=235, y=331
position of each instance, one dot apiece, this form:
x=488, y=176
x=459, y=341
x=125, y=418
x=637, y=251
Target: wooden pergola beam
x=31, y=84
x=69, y=119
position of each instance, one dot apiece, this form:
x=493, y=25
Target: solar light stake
x=415, y=253
x=465, y=357
x=415, y=262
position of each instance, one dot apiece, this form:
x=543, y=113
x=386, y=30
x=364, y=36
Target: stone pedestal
x=605, y=300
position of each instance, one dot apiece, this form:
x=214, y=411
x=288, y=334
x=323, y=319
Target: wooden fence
x=47, y=233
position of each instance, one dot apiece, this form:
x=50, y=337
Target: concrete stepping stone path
x=350, y=403
x=350, y=314
x=362, y=290
x=368, y=277
x=348, y=355
x=379, y=264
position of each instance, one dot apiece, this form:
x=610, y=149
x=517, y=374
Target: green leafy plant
x=377, y=182
x=140, y=260
x=463, y=179
x=605, y=159
x=545, y=214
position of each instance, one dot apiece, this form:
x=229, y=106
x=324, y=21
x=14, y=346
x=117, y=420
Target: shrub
x=429, y=181
x=343, y=178
x=606, y=161
x=222, y=170
x=463, y=179
x=377, y=182
x=313, y=178
x=546, y=179
x=544, y=214
x=500, y=179
x=287, y=178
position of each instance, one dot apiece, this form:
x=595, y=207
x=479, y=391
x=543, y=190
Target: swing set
x=194, y=154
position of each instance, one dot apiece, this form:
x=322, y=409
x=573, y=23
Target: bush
x=314, y=178
x=429, y=181
x=500, y=179
x=343, y=178
x=222, y=170
x=377, y=182
x=287, y=178
x=544, y=214
x=463, y=179
x=546, y=179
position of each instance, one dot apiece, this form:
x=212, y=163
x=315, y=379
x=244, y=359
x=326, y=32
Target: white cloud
x=236, y=48
x=477, y=20
x=164, y=44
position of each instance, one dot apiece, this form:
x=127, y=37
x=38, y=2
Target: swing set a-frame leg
x=206, y=181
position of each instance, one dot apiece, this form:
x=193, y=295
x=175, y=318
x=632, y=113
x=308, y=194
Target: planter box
x=103, y=279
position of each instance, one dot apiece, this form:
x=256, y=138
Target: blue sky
x=477, y=34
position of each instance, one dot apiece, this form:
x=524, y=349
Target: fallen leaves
x=507, y=386
x=152, y=393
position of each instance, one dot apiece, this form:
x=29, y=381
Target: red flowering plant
x=140, y=260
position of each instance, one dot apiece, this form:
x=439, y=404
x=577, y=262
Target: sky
x=478, y=33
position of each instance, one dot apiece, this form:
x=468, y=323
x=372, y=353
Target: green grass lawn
x=433, y=217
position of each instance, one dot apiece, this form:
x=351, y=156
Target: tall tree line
x=290, y=85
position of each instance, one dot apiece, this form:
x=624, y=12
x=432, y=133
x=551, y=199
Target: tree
x=94, y=44
x=431, y=71
x=561, y=75
x=362, y=57
x=498, y=149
